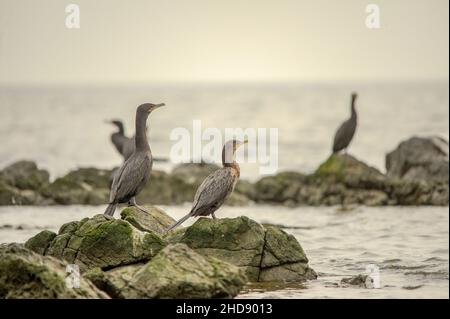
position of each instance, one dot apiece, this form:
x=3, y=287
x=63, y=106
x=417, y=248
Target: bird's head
x=147, y=108
x=117, y=123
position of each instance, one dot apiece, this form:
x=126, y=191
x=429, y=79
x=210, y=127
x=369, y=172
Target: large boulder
x=25, y=274
x=155, y=220
x=88, y=186
x=175, y=272
x=24, y=175
x=419, y=159
x=264, y=253
x=98, y=242
x=21, y=183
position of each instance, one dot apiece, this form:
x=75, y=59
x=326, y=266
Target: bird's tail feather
x=178, y=223
x=110, y=210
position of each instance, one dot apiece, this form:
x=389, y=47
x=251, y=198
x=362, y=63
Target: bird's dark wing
x=344, y=135
x=131, y=177
x=213, y=190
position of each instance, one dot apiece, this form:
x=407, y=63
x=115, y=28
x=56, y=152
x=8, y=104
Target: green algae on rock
x=40, y=242
x=25, y=274
x=264, y=253
x=102, y=242
x=175, y=272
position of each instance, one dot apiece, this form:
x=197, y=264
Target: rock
x=280, y=188
x=193, y=173
x=10, y=195
x=100, y=242
x=24, y=175
x=156, y=220
x=362, y=281
x=175, y=272
x=88, y=186
x=350, y=171
x=40, y=242
x=283, y=258
x=25, y=274
x=165, y=189
x=419, y=159
x=265, y=254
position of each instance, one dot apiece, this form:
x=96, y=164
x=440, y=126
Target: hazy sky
x=233, y=40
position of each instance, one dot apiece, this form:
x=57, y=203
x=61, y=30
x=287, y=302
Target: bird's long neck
x=121, y=129
x=141, y=135
x=353, y=107
x=229, y=160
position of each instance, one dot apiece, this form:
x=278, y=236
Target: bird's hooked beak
x=155, y=106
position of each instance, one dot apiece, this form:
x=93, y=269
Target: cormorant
x=132, y=176
x=124, y=145
x=346, y=131
x=217, y=186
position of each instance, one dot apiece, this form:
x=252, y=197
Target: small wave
x=404, y=267
x=412, y=287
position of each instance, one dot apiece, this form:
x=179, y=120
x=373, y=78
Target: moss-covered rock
x=89, y=186
x=25, y=274
x=264, y=253
x=176, y=272
x=156, y=220
x=101, y=242
x=25, y=175
x=40, y=243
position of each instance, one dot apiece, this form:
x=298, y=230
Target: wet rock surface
x=264, y=253
x=134, y=257
x=25, y=274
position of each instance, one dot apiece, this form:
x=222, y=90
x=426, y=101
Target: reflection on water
x=62, y=128
x=410, y=245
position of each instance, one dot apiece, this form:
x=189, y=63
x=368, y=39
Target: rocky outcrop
x=25, y=274
x=417, y=175
x=176, y=272
x=419, y=159
x=344, y=180
x=264, y=253
x=134, y=257
x=21, y=184
x=99, y=242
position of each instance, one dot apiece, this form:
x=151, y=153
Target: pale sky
x=210, y=40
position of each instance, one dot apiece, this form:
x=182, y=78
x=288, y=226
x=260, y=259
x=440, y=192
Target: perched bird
x=132, y=176
x=217, y=186
x=124, y=145
x=345, y=132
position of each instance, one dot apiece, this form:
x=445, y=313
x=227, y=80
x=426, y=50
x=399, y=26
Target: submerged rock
x=264, y=253
x=361, y=281
x=420, y=159
x=25, y=274
x=175, y=272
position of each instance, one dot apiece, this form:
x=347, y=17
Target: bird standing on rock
x=346, y=131
x=217, y=186
x=132, y=176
